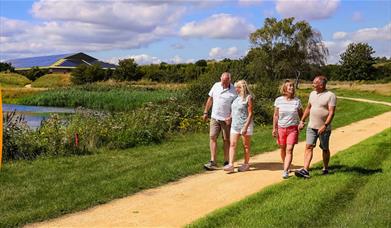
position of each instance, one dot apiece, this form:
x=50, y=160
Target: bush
x=83, y=74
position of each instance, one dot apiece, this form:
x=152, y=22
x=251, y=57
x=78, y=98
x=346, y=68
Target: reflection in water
x=34, y=115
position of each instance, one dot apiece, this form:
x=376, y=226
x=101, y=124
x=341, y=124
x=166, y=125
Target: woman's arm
x=250, y=115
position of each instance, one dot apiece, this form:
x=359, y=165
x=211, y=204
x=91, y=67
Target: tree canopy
x=283, y=48
x=357, y=62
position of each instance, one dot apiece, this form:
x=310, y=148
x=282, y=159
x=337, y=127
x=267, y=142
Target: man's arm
x=329, y=118
x=208, y=104
x=305, y=115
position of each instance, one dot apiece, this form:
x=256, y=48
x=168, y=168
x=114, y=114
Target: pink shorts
x=289, y=135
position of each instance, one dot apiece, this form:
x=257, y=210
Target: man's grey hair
x=322, y=79
x=226, y=73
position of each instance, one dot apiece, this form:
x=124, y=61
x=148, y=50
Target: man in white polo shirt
x=320, y=109
x=220, y=99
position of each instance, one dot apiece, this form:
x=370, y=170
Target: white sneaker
x=229, y=168
x=285, y=174
x=244, y=168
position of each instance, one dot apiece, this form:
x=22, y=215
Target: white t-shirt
x=288, y=114
x=222, y=100
x=320, y=103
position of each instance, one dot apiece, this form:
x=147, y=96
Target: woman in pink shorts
x=287, y=113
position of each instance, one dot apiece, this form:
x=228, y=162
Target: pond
x=34, y=115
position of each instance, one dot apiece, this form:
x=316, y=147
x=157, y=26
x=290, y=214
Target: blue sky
x=177, y=31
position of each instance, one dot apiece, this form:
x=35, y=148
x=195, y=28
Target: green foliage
x=201, y=63
x=99, y=97
x=13, y=80
x=127, y=70
x=331, y=71
x=83, y=74
x=383, y=71
x=265, y=91
x=20, y=142
x=6, y=67
x=356, y=62
x=282, y=48
x=34, y=73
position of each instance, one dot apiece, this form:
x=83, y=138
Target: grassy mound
x=13, y=80
x=52, y=81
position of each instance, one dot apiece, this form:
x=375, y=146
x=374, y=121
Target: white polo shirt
x=222, y=100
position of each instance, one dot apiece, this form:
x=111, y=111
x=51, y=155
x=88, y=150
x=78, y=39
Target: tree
x=6, y=67
x=87, y=74
x=356, y=62
x=283, y=48
x=127, y=70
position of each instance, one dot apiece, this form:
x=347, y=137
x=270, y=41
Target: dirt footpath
x=181, y=202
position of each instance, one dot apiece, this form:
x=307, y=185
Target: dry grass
x=382, y=89
x=10, y=94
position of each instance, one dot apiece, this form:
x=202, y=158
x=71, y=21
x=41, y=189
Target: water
x=35, y=114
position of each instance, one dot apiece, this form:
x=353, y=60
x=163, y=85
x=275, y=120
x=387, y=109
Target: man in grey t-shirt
x=320, y=109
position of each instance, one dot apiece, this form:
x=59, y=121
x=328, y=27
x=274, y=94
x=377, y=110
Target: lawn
x=48, y=187
x=357, y=193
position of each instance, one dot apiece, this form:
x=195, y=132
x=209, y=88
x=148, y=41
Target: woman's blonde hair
x=245, y=90
x=284, y=87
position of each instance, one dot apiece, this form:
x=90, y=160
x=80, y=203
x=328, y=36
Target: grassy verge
x=356, y=194
x=359, y=94
x=48, y=187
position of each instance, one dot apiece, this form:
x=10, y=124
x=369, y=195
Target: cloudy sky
x=179, y=31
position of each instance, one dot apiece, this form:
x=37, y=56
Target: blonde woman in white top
x=242, y=125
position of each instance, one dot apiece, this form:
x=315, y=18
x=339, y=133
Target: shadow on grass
x=270, y=166
x=350, y=169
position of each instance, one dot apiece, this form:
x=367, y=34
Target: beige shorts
x=219, y=125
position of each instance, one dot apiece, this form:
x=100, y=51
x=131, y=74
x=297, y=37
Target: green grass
x=48, y=187
x=52, y=81
x=356, y=194
x=13, y=80
x=98, y=97
x=364, y=95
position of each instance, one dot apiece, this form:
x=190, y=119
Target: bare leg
x=232, y=148
x=288, y=157
x=226, y=149
x=308, y=156
x=326, y=159
x=283, y=152
x=213, y=148
x=247, y=148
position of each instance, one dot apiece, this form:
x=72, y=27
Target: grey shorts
x=312, y=135
x=219, y=125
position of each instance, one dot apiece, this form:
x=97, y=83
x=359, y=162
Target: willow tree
x=283, y=49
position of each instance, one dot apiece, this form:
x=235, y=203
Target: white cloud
x=307, y=9
x=132, y=15
x=218, y=26
x=357, y=16
x=249, y=2
x=221, y=53
x=378, y=38
x=339, y=35
x=70, y=26
x=368, y=34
